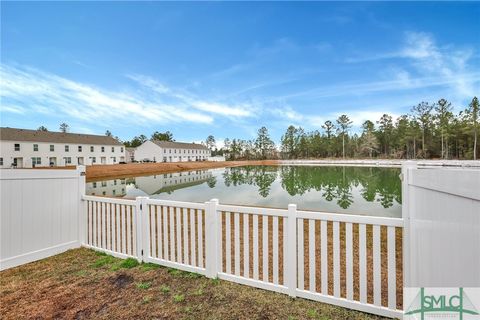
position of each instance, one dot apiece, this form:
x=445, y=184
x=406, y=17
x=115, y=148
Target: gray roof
x=179, y=145
x=13, y=134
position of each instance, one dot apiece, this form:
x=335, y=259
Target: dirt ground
x=84, y=284
x=99, y=172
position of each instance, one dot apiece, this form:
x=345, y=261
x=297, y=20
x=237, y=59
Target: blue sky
x=228, y=68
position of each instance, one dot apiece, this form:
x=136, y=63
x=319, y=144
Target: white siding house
x=130, y=154
x=24, y=148
x=167, y=151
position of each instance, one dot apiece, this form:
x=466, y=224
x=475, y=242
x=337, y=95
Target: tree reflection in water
x=335, y=183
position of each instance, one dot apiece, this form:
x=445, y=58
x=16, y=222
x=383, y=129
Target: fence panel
x=176, y=234
x=111, y=225
x=251, y=250
x=350, y=261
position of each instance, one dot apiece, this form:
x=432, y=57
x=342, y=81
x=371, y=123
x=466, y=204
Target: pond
x=373, y=191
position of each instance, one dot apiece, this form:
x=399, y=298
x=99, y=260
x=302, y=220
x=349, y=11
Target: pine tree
x=344, y=124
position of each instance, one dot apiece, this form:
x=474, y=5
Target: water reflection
x=150, y=185
x=335, y=183
x=358, y=190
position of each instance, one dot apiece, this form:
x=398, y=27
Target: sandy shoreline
x=100, y=172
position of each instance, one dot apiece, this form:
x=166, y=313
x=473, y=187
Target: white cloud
x=434, y=65
x=188, y=99
x=13, y=109
x=27, y=89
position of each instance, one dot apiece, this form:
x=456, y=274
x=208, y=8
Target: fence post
x=291, y=258
x=211, y=238
x=82, y=208
x=142, y=234
x=407, y=166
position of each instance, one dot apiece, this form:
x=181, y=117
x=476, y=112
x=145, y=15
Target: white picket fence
x=346, y=260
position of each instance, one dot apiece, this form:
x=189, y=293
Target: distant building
x=24, y=148
x=130, y=154
x=216, y=158
x=167, y=151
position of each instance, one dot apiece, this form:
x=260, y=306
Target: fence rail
x=347, y=260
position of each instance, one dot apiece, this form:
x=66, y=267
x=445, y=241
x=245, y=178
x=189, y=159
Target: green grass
x=146, y=299
x=184, y=274
x=179, y=298
x=104, y=261
x=149, y=266
x=198, y=292
x=144, y=285
x=129, y=263
x=165, y=289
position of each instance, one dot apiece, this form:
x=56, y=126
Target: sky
x=228, y=68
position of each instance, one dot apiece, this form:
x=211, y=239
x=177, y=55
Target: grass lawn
x=82, y=283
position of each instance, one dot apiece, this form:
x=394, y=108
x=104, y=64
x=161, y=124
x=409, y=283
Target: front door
x=18, y=162
x=103, y=160
x=52, y=161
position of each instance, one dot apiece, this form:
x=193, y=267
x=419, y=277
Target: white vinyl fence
x=357, y=262
x=40, y=213
x=441, y=208
x=346, y=260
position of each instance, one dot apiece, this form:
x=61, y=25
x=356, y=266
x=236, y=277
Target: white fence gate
x=441, y=208
x=40, y=213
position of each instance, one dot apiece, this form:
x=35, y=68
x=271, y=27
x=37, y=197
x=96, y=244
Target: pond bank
x=99, y=172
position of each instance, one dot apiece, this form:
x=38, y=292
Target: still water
x=353, y=190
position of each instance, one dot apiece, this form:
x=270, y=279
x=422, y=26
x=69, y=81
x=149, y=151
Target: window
x=114, y=182
x=92, y=148
x=94, y=160
x=113, y=149
x=104, y=183
x=79, y=148
x=114, y=159
x=67, y=148
x=169, y=150
x=52, y=147
x=121, y=149
x=94, y=184
x=103, y=149
x=17, y=147
x=1, y=161
x=68, y=160
x=36, y=161
x=35, y=147
x=113, y=192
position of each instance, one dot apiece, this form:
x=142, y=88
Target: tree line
x=429, y=130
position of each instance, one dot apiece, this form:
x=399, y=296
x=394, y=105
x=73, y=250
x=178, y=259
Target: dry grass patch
x=83, y=284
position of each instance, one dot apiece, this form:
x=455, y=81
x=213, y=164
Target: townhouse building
x=168, y=151
x=23, y=148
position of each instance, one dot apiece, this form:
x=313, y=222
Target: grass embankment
x=99, y=172
x=81, y=284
